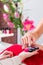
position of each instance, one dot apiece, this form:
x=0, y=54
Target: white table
x=5, y=35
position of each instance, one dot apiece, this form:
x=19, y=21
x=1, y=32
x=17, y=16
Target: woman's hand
x=23, y=55
x=31, y=37
x=28, y=39
x=6, y=54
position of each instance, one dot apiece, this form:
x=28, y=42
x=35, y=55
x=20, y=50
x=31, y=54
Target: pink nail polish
x=26, y=49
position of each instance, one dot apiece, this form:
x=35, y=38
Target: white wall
x=34, y=9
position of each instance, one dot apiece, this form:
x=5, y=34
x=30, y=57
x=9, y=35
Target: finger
x=11, y=54
x=24, y=46
x=35, y=52
x=26, y=40
x=29, y=54
x=22, y=40
x=23, y=43
x=5, y=52
x=7, y=56
x=29, y=40
x=33, y=39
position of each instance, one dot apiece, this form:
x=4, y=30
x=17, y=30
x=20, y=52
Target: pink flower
x=28, y=25
x=16, y=15
x=10, y=24
x=6, y=18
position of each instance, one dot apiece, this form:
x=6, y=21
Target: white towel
x=11, y=61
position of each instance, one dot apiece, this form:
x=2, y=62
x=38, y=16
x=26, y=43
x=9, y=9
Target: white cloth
x=11, y=61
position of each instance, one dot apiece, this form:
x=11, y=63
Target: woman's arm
x=16, y=60
x=23, y=55
x=38, y=30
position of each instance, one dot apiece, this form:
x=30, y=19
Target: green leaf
x=11, y=18
x=11, y=7
x=16, y=0
x=4, y=1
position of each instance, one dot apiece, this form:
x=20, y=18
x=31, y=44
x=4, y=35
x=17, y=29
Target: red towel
x=34, y=60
